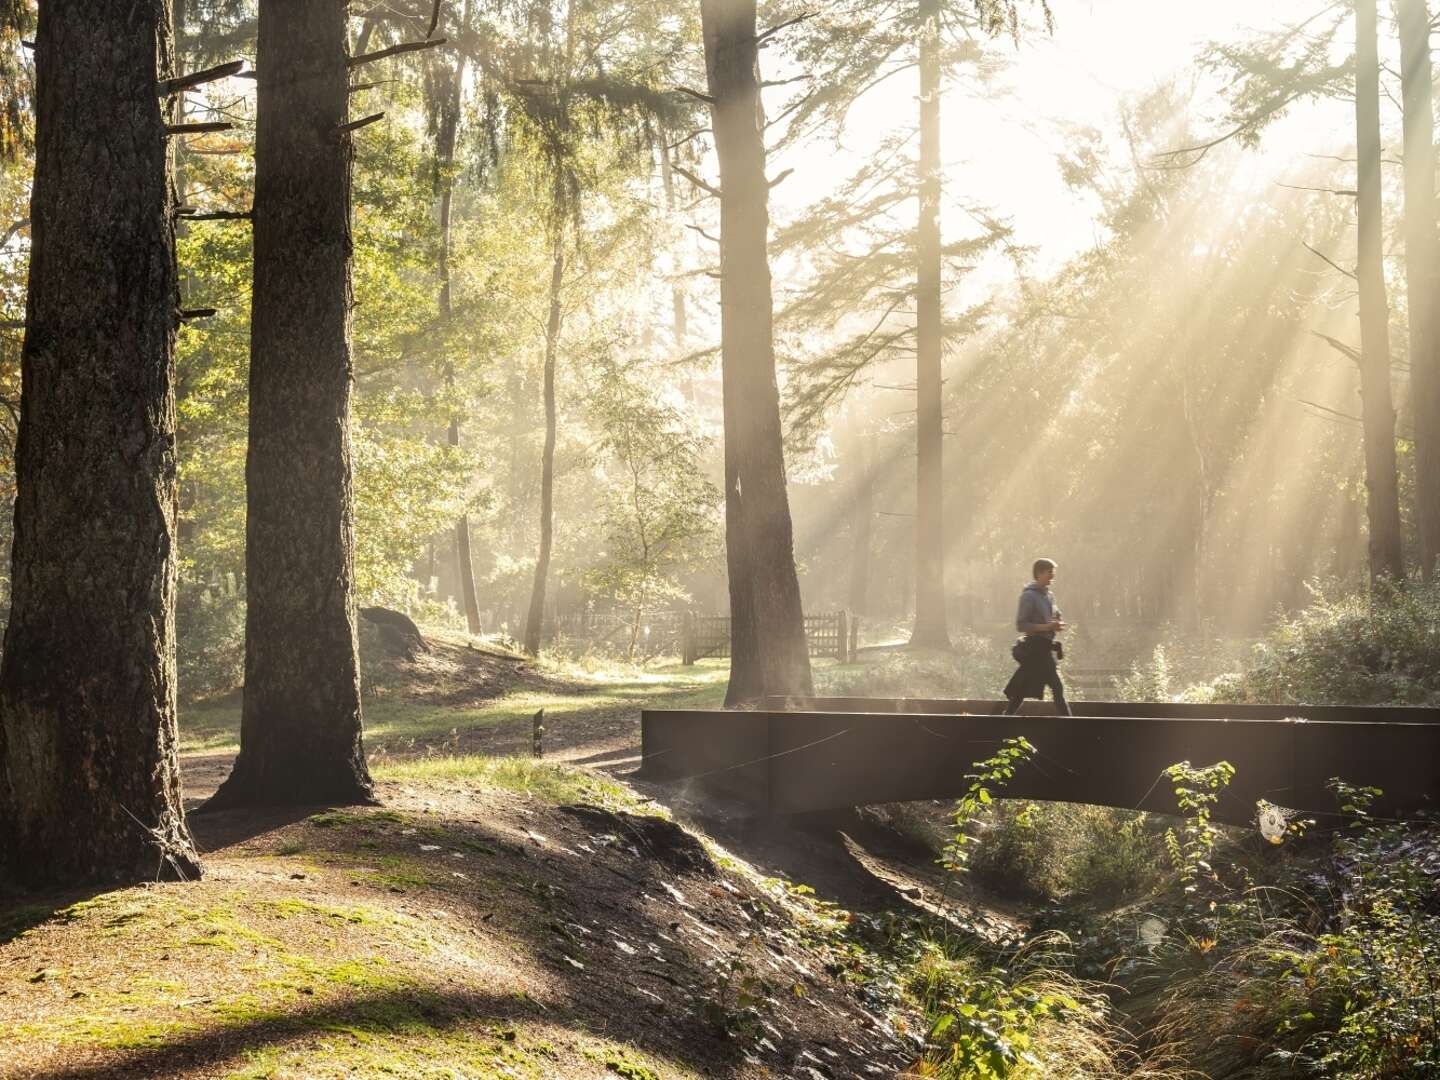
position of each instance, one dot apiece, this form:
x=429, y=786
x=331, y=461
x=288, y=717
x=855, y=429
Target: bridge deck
x=787, y=761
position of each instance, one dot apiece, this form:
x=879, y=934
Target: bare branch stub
x=198, y=128
x=356, y=125
x=189, y=213
x=199, y=78
x=1329, y=261
x=784, y=175
x=394, y=50
x=699, y=183
x=762, y=38
x=702, y=232
x=698, y=95
x=186, y=314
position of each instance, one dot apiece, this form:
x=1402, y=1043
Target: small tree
x=660, y=514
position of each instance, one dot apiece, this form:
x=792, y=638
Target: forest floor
x=498, y=916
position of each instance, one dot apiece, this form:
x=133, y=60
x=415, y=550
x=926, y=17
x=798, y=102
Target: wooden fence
x=833, y=634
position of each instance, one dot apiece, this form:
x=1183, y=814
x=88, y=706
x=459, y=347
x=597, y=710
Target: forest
x=516, y=509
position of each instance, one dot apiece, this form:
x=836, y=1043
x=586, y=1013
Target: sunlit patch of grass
x=527, y=776
x=214, y=727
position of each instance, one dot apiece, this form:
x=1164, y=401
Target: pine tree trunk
x=1420, y=270
x=1378, y=410
x=89, y=784
x=930, y=629
x=445, y=169
x=768, y=651
x=300, y=733
x=535, y=621
x=862, y=517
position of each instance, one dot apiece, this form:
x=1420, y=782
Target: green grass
x=214, y=727
x=542, y=780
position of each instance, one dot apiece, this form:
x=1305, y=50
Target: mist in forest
x=1145, y=367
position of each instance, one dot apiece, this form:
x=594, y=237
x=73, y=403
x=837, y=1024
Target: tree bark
x=535, y=620
x=768, y=651
x=862, y=517
x=300, y=733
x=89, y=784
x=1378, y=410
x=680, y=317
x=1420, y=270
x=930, y=628
x=445, y=178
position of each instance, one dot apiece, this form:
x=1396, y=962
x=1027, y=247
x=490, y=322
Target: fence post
x=687, y=640
x=842, y=635
x=854, y=639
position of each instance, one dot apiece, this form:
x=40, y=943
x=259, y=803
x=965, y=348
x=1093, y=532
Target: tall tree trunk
x=862, y=517
x=768, y=651
x=89, y=785
x=535, y=621
x=680, y=319
x=1420, y=270
x=445, y=178
x=1378, y=410
x=930, y=629
x=300, y=729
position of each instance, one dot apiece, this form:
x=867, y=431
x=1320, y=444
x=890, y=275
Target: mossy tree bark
x=89, y=786
x=300, y=733
x=930, y=628
x=1378, y=410
x=768, y=651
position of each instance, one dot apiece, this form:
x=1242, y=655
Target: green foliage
x=993, y=772
x=1197, y=790
x=1148, y=681
x=210, y=639
x=1346, y=647
x=659, y=513
x=973, y=667
x=1054, y=851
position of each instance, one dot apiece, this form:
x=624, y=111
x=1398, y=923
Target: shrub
x=209, y=640
x=1354, y=648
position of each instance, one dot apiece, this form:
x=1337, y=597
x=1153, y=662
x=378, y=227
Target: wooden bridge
x=797, y=755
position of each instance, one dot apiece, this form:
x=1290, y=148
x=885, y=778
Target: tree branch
x=356, y=125
x=696, y=94
x=393, y=50
x=702, y=232
x=701, y=184
x=1331, y=262
x=765, y=35
x=199, y=78
x=198, y=129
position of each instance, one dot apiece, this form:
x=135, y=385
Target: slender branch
x=186, y=314
x=1329, y=261
x=701, y=184
x=198, y=129
x=393, y=50
x=199, y=78
x=781, y=178
x=766, y=35
x=696, y=94
x=1328, y=191
x=787, y=82
x=12, y=324
x=1332, y=412
x=702, y=232
x=356, y=125
x=14, y=228
x=189, y=213
x=1348, y=351
x=434, y=19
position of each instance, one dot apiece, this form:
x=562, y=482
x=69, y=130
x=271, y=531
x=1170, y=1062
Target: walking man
x=1039, y=620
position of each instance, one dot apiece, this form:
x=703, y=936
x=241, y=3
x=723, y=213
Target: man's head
x=1044, y=571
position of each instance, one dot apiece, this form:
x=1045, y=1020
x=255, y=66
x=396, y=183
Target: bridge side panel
x=1409, y=714
x=723, y=752
x=829, y=760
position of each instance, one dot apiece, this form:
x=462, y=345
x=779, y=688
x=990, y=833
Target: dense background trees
x=537, y=333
